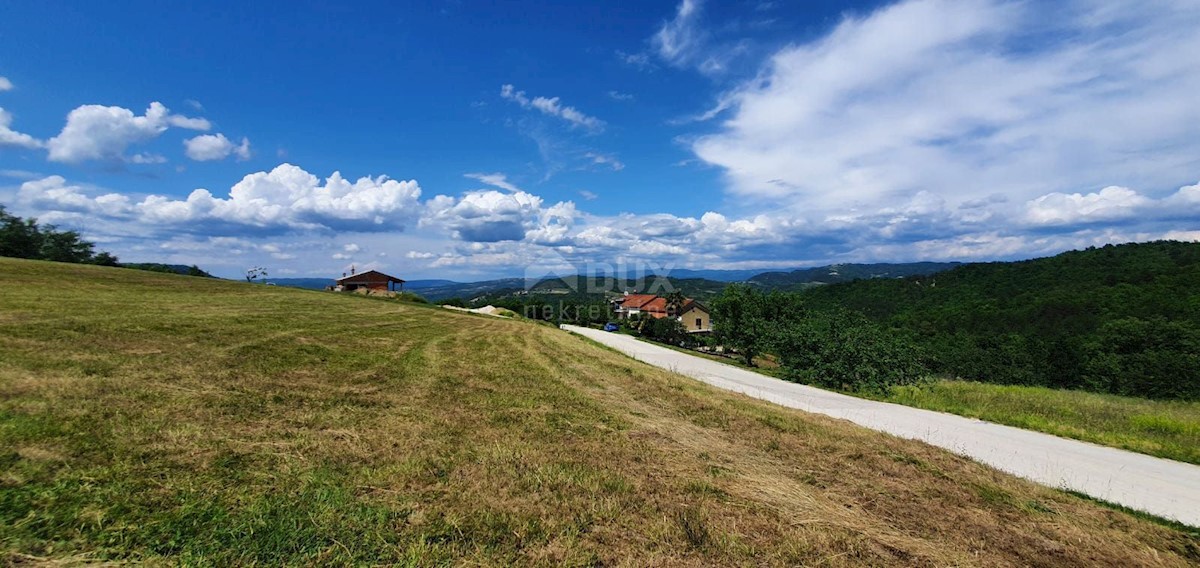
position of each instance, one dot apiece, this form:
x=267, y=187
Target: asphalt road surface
x=1162, y=487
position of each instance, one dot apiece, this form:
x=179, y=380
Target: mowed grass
x=170, y=420
x=1167, y=429
x=1162, y=428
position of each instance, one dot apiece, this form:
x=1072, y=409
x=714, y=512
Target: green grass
x=152, y=418
x=1167, y=429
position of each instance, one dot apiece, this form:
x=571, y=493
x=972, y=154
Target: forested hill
x=1122, y=319
x=810, y=277
x=184, y=269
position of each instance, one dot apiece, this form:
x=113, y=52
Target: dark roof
x=360, y=275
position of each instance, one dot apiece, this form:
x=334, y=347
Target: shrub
x=845, y=351
x=666, y=330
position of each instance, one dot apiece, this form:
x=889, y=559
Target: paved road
x=1162, y=487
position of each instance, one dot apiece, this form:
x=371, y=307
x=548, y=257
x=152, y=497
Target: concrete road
x=1166, y=488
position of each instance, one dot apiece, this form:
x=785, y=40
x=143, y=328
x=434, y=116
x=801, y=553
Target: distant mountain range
x=696, y=283
x=718, y=275
x=834, y=273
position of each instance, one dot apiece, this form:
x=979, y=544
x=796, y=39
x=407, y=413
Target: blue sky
x=469, y=140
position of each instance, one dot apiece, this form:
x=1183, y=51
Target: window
x=699, y=323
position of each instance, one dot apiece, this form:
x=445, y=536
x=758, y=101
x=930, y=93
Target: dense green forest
x=1120, y=319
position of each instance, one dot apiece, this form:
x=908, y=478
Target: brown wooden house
x=371, y=280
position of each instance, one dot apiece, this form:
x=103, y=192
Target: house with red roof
x=695, y=316
x=631, y=304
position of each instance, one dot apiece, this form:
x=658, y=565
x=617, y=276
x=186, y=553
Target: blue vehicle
x=611, y=327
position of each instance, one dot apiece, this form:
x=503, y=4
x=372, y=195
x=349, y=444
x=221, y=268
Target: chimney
x=351, y=270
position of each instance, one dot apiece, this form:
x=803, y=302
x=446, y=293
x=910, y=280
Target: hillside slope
x=804, y=278
x=148, y=416
x=1120, y=319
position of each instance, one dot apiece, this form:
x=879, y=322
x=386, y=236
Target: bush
x=845, y=351
x=741, y=319
x=666, y=330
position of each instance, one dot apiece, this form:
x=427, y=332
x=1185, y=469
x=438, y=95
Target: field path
x=1162, y=487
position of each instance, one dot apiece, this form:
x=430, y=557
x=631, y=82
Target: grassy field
x=1165, y=429
x=166, y=419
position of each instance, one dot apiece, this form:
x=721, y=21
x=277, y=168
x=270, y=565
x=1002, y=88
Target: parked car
x=611, y=327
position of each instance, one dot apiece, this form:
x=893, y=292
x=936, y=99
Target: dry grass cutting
x=153, y=418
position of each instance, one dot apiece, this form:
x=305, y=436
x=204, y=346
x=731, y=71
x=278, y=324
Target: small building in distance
x=694, y=316
x=632, y=304
x=373, y=280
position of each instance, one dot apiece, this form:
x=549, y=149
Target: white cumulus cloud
x=289, y=197
x=492, y=216
x=1187, y=198
x=1110, y=203
x=284, y=199
x=209, y=147
x=95, y=132
x=10, y=137
x=5, y=84
x=53, y=193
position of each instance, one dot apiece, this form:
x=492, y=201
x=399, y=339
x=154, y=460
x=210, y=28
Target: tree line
x=1119, y=319
x=26, y=238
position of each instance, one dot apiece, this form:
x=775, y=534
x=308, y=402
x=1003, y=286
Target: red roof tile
x=635, y=301
x=658, y=304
